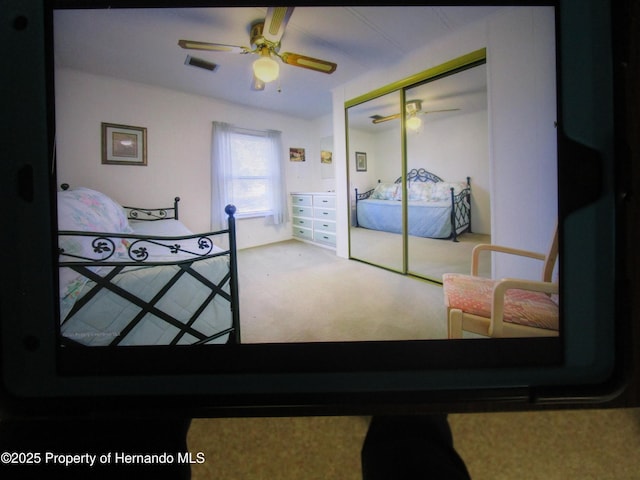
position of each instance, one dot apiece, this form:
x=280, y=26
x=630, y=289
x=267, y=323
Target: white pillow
x=385, y=191
x=90, y=211
x=420, y=191
x=86, y=210
x=442, y=190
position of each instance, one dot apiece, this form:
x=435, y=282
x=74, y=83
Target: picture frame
x=326, y=157
x=124, y=145
x=297, y=155
x=361, y=162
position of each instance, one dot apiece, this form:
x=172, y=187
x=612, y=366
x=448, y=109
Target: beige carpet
x=558, y=445
x=296, y=292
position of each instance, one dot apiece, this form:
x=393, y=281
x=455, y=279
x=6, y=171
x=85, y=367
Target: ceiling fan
x=412, y=109
x=265, y=36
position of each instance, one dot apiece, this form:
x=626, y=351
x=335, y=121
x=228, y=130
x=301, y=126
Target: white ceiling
x=142, y=45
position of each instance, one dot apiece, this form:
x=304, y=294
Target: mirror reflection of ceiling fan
x=265, y=37
x=413, y=108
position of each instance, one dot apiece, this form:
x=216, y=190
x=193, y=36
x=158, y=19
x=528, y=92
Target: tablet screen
x=444, y=152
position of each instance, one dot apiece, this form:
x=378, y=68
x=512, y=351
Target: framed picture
x=326, y=157
x=361, y=162
x=297, y=154
x=124, y=145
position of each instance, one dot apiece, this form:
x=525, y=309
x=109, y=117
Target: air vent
x=200, y=63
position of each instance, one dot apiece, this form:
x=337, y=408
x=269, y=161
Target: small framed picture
x=326, y=157
x=297, y=155
x=124, y=145
x=361, y=162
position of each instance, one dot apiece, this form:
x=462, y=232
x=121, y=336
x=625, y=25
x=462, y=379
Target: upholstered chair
x=508, y=307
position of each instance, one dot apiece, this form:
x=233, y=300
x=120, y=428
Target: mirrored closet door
x=419, y=172
x=447, y=154
x=374, y=165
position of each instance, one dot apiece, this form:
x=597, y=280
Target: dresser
x=314, y=217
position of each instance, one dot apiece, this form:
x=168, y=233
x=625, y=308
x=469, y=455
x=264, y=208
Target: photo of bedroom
x=454, y=115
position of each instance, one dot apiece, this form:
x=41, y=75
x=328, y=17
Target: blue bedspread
x=426, y=219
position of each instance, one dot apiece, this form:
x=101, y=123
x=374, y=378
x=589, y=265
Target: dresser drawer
x=324, y=213
x=299, y=211
x=301, y=232
x=326, y=201
x=324, y=225
x=323, y=237
x=302, y=222
x=304, y=200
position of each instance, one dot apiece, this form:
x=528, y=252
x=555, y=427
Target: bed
x=435, y=208
x=136, y=276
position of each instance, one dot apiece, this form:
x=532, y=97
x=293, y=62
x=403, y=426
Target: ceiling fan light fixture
x=266, y=69
x=414, y=123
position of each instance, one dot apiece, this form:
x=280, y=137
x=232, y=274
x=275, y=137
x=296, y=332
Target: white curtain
x=278, y=179
x=221, y=174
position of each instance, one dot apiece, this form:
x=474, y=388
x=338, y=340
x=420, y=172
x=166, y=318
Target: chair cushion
x=474, y=295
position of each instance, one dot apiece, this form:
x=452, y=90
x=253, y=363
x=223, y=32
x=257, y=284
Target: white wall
x=522, y=115
x=368, y=143
x=386, y=154
x=179, y=143
x=522, y=140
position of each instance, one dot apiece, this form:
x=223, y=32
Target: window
x=247, y=171
x=250, y=183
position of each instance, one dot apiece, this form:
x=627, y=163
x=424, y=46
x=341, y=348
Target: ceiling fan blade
x=257, y=84
x=308, y=62
x=380, y=119
x=275, y=22
x=213, y=47
x=438, y=111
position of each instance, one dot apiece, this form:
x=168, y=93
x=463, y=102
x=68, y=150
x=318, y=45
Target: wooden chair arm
x=499, y=291
x=475, y=254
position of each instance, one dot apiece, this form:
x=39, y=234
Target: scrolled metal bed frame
x=104, y=247
x=460, y=217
